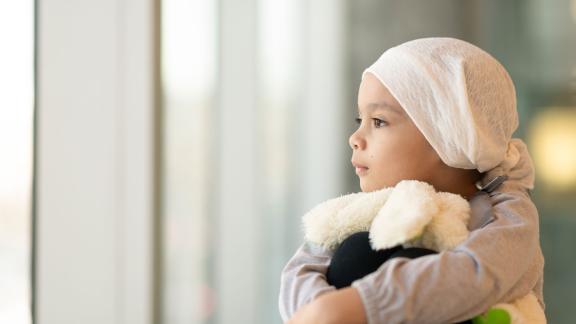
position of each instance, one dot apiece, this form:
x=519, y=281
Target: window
x=16, y=159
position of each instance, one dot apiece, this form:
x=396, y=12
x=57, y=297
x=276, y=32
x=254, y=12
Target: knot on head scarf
x=462, y=100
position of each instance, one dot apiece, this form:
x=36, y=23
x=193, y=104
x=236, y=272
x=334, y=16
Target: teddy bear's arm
x=303, y=278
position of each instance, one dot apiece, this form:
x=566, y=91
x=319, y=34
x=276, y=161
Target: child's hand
x=340, y=306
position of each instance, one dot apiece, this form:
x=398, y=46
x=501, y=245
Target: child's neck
x=464, y=190
x=458, y=181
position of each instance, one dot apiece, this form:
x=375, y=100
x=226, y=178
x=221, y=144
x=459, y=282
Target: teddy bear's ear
x=448, y=227
x=410, y=207
x=318, y=223
x=358, y=215
x=331, y=222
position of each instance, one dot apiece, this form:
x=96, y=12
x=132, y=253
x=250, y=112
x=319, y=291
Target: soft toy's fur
x=412, y=214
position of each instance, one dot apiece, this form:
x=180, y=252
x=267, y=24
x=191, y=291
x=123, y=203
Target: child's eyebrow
x=382, y=105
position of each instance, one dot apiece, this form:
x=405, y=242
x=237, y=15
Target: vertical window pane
x=246, y=153
x=16, y=135
x=188, y=72
x=280, y=60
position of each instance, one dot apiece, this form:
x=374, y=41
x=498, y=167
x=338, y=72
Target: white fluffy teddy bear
x=411, y=214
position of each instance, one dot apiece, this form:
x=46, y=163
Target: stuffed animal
x=366, y=229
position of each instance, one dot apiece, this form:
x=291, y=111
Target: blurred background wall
x=179, y=142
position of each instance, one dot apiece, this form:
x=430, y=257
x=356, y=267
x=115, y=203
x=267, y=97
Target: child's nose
x=356, y=141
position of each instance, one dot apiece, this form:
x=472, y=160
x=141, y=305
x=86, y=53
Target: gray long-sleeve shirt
x=500, y=261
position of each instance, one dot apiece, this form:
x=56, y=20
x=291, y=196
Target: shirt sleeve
x=304, y=278
x=491, y=266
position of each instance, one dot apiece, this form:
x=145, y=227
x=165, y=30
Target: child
x=443, y=111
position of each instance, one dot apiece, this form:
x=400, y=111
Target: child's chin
x=366, y=186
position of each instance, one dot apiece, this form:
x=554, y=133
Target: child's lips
x=361, y=170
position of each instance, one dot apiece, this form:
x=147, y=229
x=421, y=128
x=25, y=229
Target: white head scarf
x=462, y=100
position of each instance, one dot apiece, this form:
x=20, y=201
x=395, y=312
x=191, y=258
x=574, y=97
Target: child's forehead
x=378, y=106
x=374, y=96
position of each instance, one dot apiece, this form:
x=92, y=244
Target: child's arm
x=497, y=263
x=303, y=278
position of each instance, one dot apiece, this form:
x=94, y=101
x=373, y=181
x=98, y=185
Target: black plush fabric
x=412, y=253
x=355, y=258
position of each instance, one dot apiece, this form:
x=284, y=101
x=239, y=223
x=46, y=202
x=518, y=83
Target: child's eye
x=379, y=122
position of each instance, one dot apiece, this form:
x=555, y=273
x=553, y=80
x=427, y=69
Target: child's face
x=387, y=142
